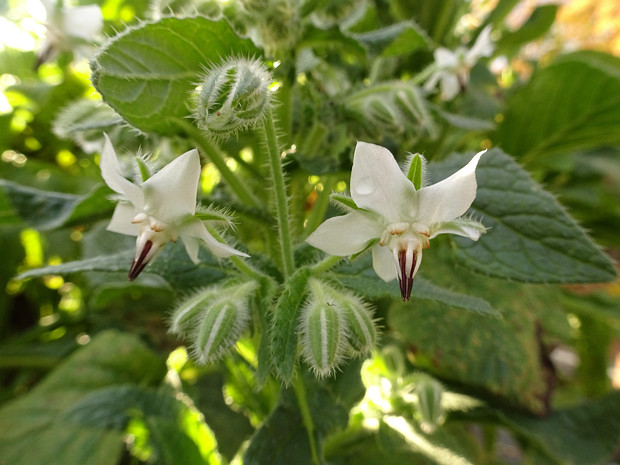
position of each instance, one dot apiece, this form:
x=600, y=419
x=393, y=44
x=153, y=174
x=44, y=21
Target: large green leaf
x=32, y=428
x=359, y=276
x=530, y=237
x=574, y=103
x=48, y=210
x=172, y=265
x=585, y=434
x=500, y=356
x=146, y=73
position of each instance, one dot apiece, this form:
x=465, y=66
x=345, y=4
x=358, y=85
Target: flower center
x=406, y=241
x=152, y=236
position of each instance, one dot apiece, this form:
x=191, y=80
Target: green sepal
x=415, y=171
x=344, y=200
x=145, y=172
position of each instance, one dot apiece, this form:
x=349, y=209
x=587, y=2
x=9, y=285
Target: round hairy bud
x=233, y=96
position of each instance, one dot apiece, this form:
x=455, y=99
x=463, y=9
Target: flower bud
x=430, y=392
x=214, y=318
x=323, y=334
x=362, y=334
x=233, y=96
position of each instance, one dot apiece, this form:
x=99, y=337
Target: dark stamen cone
x=405, y=278
x=139, y=263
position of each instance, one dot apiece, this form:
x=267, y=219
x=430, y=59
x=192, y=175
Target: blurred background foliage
x=88, y=372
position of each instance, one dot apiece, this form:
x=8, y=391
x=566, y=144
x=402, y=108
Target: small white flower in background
x=159, y=210
x=453, y=67
x=69, y=28
x=394, y=218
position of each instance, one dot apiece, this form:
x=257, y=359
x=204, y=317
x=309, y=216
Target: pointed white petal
x=377, y=182
x=448, y=199
x=111, y=173
x=171, y=192
x=483, y=47
x=445, y=59
x=83, y=22
x=345, y=235
x=195, y=229
x=383, y=262
x=461, y=227
x=121, y=220
x=449, y=85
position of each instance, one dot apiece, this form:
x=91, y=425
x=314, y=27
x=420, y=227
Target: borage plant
x=269, y=291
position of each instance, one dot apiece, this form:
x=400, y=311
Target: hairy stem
x=280, y=197
x=306, y=417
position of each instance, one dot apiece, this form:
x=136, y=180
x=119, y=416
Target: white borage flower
x=453, y=67
x=161, y=209
x=396, y=219
x=69, y=28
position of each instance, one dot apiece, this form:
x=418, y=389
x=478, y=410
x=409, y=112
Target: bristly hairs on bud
x=214, y=319
x=323, y=333
x=232, y=97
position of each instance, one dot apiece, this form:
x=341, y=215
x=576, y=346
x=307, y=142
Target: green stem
x=281, y=200
x=217, y=158
x=326, y=264
x=306, y=417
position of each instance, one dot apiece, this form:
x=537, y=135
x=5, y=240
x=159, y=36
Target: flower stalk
x=280, y=198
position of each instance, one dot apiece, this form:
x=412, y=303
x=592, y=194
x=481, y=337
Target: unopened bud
x=430, y=392
x=233, y=96
x=362, y=334
x=323, y=336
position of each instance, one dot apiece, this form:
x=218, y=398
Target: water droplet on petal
x=364, y=186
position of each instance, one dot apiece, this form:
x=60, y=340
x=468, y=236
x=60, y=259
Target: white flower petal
x=111, y=173
x=82, y=22
x=121, y=220
x=445, y=59
x=448, y=199
x=383, y=262
x=483, y=47
x=377, y=182
x=195, y=229
x=461, y=227
x=171, y=192
x=345, y=235
x=449, y=85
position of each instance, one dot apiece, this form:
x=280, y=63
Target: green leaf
x=585, y=434
x=577, y=102
x=284, y=324
x=394, y=40
x=147, y=73
x=111, y=358
x=499, y=356
x=359, y=276
x=48, y=210
x=530, y=237
x=536, y=26
x=172, y=265
x=344, y=200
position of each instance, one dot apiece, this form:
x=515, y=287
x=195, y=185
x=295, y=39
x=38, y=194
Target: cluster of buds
x=334, y=324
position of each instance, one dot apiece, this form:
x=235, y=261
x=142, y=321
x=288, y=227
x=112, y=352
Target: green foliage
x=162, y=59
x=489, y=350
